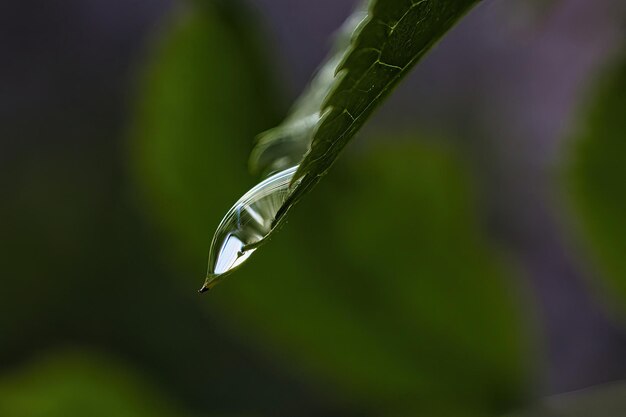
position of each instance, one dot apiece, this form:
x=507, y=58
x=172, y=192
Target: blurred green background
x=464, y=257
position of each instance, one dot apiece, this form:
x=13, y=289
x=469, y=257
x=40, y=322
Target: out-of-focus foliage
x=382, y=288
x=202, y=102
x=72, y=384
x=597, y=179
x=602, y=401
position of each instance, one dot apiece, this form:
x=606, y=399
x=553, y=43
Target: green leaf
x=202, y=101
x=79, y=384
x=596, y=179
x=376, y=50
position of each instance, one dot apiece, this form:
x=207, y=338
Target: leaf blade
x=383, y=47
x=594, y=179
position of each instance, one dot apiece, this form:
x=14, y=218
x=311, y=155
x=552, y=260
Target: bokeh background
x=464, y=257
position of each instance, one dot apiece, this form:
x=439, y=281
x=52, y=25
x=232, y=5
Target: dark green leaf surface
x=597, y=179
x=389, y=40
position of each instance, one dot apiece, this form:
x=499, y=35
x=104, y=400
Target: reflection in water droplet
x=246, y=224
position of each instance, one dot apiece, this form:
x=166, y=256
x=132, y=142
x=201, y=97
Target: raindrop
x=247, y=224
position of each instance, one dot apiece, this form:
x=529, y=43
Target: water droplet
x=246, y=224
